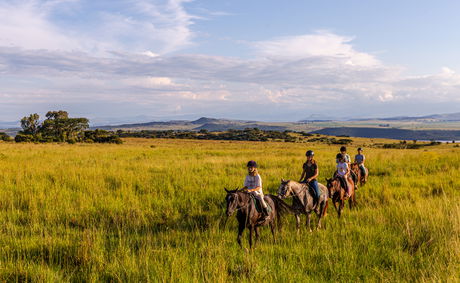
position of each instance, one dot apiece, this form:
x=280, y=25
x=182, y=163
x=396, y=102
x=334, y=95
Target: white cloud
x=159, y=26
x=311, y=45
x=290, y=78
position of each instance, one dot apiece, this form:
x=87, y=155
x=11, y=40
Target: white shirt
x=252, y=182
x=342, y=169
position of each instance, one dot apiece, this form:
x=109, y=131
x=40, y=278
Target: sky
x=120, y=61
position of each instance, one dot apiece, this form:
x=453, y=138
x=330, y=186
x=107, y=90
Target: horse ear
x=328, y=180
x=226, y=190
x=282, y=180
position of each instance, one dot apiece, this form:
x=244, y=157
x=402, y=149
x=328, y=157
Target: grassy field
x=151, y=210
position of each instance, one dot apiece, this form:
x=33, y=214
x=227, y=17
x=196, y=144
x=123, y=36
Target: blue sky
x=141, y=60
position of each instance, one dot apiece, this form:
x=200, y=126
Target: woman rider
x=310, y=174
x=343, y=172
x=253, y=185
x=359, y=159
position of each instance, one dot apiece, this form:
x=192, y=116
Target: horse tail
x=281, y=208
x=325, y=208
x=280, y=205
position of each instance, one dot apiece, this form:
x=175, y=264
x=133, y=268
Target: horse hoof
x=246, y=250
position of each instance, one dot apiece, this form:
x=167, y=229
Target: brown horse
x=338, y=195
x=358, y=172
x=248, y=216
x=302, y=202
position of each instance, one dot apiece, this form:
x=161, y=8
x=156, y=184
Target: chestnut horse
x=358, y=172
x=248, y=216
x=338, y=195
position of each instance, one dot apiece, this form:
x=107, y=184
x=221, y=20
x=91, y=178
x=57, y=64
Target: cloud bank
x=132, y=62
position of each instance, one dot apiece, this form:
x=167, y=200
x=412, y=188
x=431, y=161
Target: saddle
x=258, y=205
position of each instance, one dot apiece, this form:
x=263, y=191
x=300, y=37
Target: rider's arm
x=303, y=175
x=255, y=189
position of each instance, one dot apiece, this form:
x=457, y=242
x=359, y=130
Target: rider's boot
x=265, y=212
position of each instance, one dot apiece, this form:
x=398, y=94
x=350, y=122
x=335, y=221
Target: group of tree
x=5, y=137
x=249, y=134
x=59, y=127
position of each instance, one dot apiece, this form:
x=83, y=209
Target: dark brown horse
x=302, y=201
x=338, y=195
x=360, y=177
x=248, y=216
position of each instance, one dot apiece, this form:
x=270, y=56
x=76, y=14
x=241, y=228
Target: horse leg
x=256, y=230
x=319, y=215
x=251, y=231
x=297, y=222
x=307, y=223
x=272, y=228
x=350, y=202
x=341, y=204
x=337, y=207
x=240, y=233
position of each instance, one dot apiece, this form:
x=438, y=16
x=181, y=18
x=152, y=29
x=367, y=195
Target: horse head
x=354, y=166
x=333, y=185
x=330, y=185
x=232, y=201
x=284, y=190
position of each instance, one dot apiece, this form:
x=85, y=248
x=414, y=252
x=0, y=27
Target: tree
x=59, y=127
x=30, y=125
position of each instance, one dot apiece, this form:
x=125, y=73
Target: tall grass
x=152, y=210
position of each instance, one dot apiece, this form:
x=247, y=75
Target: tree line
x=59, y=127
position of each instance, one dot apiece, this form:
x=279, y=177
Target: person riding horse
x=253, y=185
x=359, y=159
x=343, y=152
x=343, y=172
x=310, y=174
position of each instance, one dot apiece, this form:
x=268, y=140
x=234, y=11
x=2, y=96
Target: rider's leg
x=314, y=185
x=345, y=185
x=363, y=171
x=260, y=197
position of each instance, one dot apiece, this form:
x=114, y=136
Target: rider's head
x=343, y=149
x=340, y=157
x=252, y=167
x=309, y=154
x=360, y=150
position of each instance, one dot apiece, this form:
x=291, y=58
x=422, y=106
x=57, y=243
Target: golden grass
x=151, y=210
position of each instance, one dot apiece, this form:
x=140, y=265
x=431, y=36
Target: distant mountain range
x=436, y=126
x=451, y=117
x=203, y=123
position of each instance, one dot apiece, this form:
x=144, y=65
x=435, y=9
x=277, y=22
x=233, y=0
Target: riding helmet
x=343, y=148
x=252, y=163
x=310, y=153
x=360, y=148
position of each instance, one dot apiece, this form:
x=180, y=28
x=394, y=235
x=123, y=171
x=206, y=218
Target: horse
x=337, y=193
x=303, y=202
x=358, y=172
x=248, y=216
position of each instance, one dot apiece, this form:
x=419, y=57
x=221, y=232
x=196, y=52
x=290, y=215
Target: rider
x=343, y=172
x=359, y=159
x=310, y=174
x=343, y=151
x=253, y=184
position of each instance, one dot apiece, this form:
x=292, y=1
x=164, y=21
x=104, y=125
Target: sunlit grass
x=153, y=210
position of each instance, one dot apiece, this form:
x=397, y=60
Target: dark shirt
x=309, y=170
